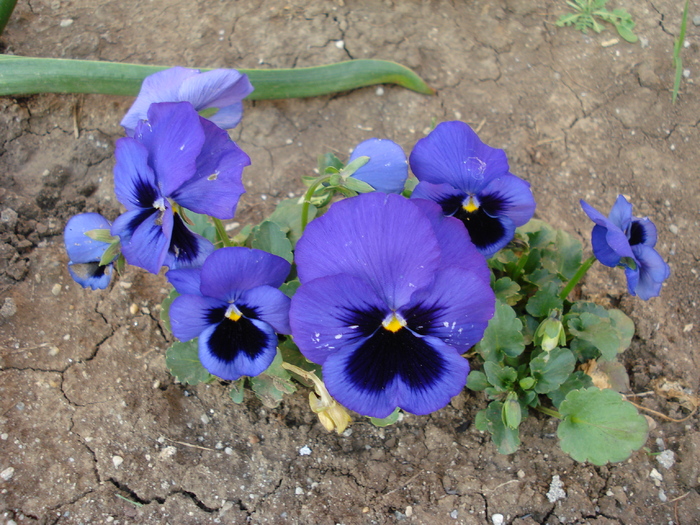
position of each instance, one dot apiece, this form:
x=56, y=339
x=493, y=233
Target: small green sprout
x=588, y=13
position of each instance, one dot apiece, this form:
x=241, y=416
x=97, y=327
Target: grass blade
x=25, y=75
x=6, y=8
x=677, y=60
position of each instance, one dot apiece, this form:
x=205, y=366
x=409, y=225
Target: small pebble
x=666, y=459
x=380, y=91
x=167, y=452
x=556, y=490
x=66, y=22
x=673, y=229
x=454, y=514
x=299, y=491
x=497, y=519
x=56, y=289
x=9, y=308
x=340, y=44
x=7, y=473
x=134, y=309
x=305, y=451
x=117, y=460
x=696, y=20
x=229, y=451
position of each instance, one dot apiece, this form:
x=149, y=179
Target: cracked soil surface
x=93, y=428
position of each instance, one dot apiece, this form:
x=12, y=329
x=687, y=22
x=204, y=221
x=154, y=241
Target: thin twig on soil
x=191, y=445
x=410, y=480
x=664, y=416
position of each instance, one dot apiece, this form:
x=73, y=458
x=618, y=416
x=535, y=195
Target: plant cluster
x=371, y=288
x=587, y=14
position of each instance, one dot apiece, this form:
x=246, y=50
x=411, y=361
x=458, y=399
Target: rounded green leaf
x=182, y=360
x=599, y=426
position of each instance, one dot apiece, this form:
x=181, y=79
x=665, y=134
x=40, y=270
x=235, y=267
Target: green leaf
x=477, y=381
x=182, y=360
x=575, y=381
x=290, y=288
x=102, y=235
x=506, y=439
x=110, y=253
x=544, y=301
x=237, y=392
x=201, y=224
x=568, y=254
x=287, y=216
x=507, y=290
x=503, y=335
x=26, y=75
x=353, y=166
x=291, y=354
x=269, y=237
x=388, y=420
x=599, y=426
x=329, y=160
x=624, y=326
x=6, y=8
x=165, y=309
x=597, y=331
x=551, y=369
x=501, y=377
x=357, y=185
x=626, y=33
x=271, y=386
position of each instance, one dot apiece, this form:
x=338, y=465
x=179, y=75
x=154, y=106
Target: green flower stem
x=307, y=200
x=221, y=232
x=549, y=412
x=522, y=261
x=577, y=277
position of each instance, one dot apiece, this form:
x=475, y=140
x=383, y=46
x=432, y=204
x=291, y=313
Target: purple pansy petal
x=187, y=249
x=231, y=358
x=384, y=391
x=632, y=276
x=615, y=238
x=190, y=315
x=216, y=186
x=134, y=181
x=91, y=274
x=621, y=213
x=453, y=153
x=324, y=314
x=515, y=195
x=456, y=308
x=439, y=193
x=506, y=231
x=162, y=86
x=79, y=247
x=217, y=88
x=228, y=117
x=387, y=168
x=145, y=244
x=185, y=280
x=270, y=305
x=367, y=236
x=174, y=138
x=456, y=248
x=601, y=249
x=593, y=214
x=653, y=271
x=229, y=271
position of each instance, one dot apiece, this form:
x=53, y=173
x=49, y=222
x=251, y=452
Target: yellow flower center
x=471, y=204
x=233, y=313
x=394, y=323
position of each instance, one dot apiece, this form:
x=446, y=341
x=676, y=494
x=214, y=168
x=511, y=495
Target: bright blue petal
x=445, y=195
x=232, y=349
x=185, y=280
x=145, y=237
x=190, y=315
x=186, y=249
x=381, y=238
x=229, y=271
x=331, y=313
x=134, y=181
x=387, y=169
x=632, y=276
x=453, y=153
x=456, y=247
x=91, y=274
x=228, y=117
x=174, y=138
x=216, y=186
x=456, y=308
x=270, y=306
x=653, y=271
x=80, y=247
x=162, y=86
x=621, y=213
x=515, y=196
x=217, y=88
x=417, y=374
x=601, y=249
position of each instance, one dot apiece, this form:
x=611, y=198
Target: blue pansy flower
x=85, y=253
x=175, y=160
x=392, y=293
x=470, y=180
x=624, y=240
x=233, y=304
x=387, y=168
x=223, y=89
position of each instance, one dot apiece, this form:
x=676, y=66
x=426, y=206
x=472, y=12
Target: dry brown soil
x=92, y=427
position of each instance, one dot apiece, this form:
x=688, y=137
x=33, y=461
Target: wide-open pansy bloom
x=233, y=304
x=392, y=293
x=387, y=169
x=86, y=253
x=624, y=240
x=470, y=180
x=219, y=90
x=175, y=159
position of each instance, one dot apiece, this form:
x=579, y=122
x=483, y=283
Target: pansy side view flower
x=87, y=239
x=175, y=160
x=387, y=168
x=622, y=239
x=217, y=94
x=392, y=293
x=471, y=181
x=233, y=305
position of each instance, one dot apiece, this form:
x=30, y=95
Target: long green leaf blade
x=27, y=75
